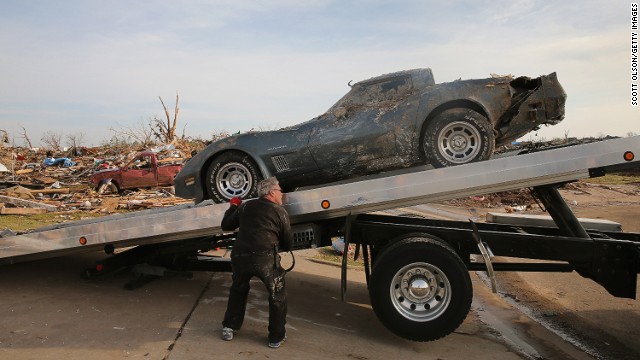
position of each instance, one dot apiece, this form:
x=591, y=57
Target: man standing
x=264, y=229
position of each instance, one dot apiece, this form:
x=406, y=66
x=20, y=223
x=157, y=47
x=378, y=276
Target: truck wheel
x=108, y=188
x=232, y=174
x=420, y=289
x=458, y=136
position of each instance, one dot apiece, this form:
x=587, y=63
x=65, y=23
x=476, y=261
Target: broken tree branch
x=25, y=137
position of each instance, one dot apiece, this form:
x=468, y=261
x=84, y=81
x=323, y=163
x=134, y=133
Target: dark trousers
x=267, y=268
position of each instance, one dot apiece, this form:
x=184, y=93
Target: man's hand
x=235, y=201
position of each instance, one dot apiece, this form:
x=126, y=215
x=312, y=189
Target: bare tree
x=4, y=137
x=142, y=133
x=117, y=146
x=25, y=137
x=184, y=132
x=139, y=132
x=166, y=131
x=52, y=139
x=75, y=140
x=220, y=135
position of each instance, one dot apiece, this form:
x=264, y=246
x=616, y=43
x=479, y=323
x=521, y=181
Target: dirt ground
x=579, y=308
x=576, y=308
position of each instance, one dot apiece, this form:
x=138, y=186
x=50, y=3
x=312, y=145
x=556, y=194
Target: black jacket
x=263, y=226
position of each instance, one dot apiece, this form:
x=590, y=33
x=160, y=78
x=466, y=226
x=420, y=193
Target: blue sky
x=87, y=66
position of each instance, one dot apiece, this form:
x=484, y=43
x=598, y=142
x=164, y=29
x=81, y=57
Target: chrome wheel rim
x=420, y=292
x=234, y=179
x=459, y=142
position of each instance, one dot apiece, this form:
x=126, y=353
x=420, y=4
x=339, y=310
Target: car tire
x=458, y=136
x=109, y=187
x=420, y=289
x=230, y=175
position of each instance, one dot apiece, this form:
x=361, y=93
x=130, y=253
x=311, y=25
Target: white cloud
x=244, y=64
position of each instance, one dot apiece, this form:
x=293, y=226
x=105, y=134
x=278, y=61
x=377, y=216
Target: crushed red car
x=143, y=171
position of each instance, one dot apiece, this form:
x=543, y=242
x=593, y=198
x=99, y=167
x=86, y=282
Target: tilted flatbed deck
x=333, y=201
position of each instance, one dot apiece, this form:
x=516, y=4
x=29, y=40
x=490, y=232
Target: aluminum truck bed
x=332, y=201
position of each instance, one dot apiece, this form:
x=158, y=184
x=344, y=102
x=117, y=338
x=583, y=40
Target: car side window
x=371, y=93
x=145, y=162
x=142, y=162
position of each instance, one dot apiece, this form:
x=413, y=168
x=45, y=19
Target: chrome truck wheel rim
x=420, y=292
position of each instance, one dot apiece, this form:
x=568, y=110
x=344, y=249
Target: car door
x=139, y=173
x=166, y=173
x=340, y=142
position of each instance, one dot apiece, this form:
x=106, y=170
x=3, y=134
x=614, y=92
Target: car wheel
x=232, y=175
x=420, y=289
x=458, y=136
x=108, y=188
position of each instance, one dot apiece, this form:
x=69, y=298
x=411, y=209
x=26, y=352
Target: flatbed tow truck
x=417, y=269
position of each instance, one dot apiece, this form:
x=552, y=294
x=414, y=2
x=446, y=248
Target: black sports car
x=391, y=121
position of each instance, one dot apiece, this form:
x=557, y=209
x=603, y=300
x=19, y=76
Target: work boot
x=277, y=344
x=227, y=334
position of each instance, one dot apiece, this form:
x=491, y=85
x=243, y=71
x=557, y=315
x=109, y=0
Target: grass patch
x=330, y=255
x=20, y=223
x=614, y=179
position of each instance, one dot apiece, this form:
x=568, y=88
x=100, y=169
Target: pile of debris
x=29, y=186
x=533, y=146
x=511, y=201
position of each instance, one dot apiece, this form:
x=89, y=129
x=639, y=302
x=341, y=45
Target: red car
x=143, y=171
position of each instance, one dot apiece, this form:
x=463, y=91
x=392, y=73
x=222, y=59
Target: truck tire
x=109, y=187
x=420, y=289
x=458, y=136
x=230, y=175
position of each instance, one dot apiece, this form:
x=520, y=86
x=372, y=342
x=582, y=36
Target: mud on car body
x=392, y=121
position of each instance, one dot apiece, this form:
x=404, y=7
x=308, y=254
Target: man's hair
x=266, y=185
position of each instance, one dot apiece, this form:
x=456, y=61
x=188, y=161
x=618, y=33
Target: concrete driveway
x=49, y=312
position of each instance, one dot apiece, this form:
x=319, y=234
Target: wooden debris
x=27, y=203
x=56, y=188
x=18, y=192
x=50, y=191
x=47, y=180
x=170, y=160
